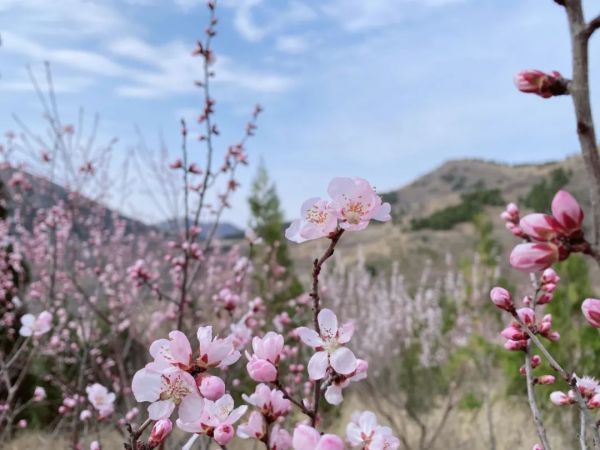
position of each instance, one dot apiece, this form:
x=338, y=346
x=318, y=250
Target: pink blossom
x=204, y=416
x=39, y=394
x=161, y=429
x=255, y=428
x=101, y=399
x=501, y=298
x=333, y=393
x=175, y=351
x=364, y=432
x=215, y=352
x=532, y=257
x=22, y=424
x=307, y=438
x=329, y=343
x=262, y=365
x=35, y=326
x=549, y=276
x=540, y=227
x=163, y=388
x=591, y=311
x=270, y=402
x=536, y=82
x=317, y=220
x=280, y=439
x=567, y=212
x=355, y=203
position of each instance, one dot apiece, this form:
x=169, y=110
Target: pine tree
x=267, y=217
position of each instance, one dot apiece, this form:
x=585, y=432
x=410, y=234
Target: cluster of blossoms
x=550, y=238
x=193, y=382
x=516, y=337
x=589, y=389
x=353, y=204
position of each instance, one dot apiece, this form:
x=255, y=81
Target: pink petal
x=305, y=438
x=146, y=385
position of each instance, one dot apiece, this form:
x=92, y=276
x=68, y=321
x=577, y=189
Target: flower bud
x=212, y=387
x=567, y=212
x=95, y=445
x=536, y=82
x=560, y=398
x=527, y=316
x=261, y=370
x=223, y=434
x=540, y=227
x=161, y=429
x=536, y=360
x=546, y=379
x=550, y=276
x=501, y=298
x=532, y=257
x=594, y=402
x=591, y=310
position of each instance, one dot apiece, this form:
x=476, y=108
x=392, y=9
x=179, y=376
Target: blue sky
x=383, y=89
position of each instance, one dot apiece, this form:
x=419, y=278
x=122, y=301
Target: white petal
x=343, y=361
x=345, y=333
x=190, y=409
x=309, y=336
x=333, y=395
x=328, y=323
x=383, y=213
x=146, y=385
x=161, y=409
x=317, y=366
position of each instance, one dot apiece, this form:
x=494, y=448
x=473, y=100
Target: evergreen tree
x=267, y=217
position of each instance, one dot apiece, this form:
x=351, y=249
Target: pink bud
x=559, y=398
x=212, y=387
x=527, y=316
x=540, y=227
x=594, y=402
x=591, y=311
x=535, y=361
x=95, y=445
x=514, y=346
x=567, y=212
x=160, y=431
x=536, y=82
x=22, y=424
x=532, y=257
x=223, y=434
x=512, y=333
x=550, y=276
x=553, y=336
x=546, y=379
x=537, y=447
x=501, y=298
x=261, y=370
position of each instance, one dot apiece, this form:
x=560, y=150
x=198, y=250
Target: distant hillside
x=225, y=230
x=45, y=193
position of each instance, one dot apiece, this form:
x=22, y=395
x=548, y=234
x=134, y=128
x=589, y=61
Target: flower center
x=174, y=389
x=353, y=212
x=315, y=215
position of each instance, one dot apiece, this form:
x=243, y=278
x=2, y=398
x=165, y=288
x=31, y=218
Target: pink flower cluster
x=353, y=204
x=589, y=389
x=550, y=238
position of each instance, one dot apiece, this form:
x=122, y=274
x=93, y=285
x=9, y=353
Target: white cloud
x=292, y=44
x=64, y=17
x=172, y=70
x=360, y=15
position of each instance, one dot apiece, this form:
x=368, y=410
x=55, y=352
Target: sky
x=382, y=89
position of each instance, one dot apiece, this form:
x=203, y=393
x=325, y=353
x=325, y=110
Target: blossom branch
x=535, y=411
x=568, y=377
